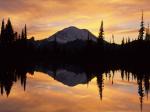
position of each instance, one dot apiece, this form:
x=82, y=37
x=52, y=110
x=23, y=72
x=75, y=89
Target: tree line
x=8, y=36
x=77, y=51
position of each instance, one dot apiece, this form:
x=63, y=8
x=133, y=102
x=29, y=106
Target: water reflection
x=73, y=75
x=9, y=75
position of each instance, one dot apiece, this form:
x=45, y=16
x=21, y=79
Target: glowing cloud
x=44, y=18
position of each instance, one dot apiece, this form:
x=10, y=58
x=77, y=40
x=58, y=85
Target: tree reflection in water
x=70, y=75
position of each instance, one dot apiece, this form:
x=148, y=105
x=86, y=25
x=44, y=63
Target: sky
x=46, y=17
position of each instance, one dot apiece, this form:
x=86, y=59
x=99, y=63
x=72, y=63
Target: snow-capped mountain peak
x=71, y=34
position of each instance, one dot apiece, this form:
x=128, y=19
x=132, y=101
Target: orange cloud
x=47, y=17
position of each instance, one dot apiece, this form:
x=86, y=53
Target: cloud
x=45, y=17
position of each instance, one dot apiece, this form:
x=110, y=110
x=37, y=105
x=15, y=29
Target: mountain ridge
x=69, y=34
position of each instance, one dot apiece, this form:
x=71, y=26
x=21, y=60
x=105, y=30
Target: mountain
x=68, y=75
x=70, y=34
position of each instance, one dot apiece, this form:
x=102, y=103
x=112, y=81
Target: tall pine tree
x=142, y=29
x=101, y=31
x=25, y=32
x=22, y=35
x=2, y=31
x=9, y=32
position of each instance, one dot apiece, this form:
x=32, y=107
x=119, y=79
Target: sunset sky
x=45, y=17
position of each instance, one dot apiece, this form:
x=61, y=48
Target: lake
x=68, y=91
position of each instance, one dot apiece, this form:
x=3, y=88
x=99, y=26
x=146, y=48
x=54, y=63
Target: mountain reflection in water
x=73, y=75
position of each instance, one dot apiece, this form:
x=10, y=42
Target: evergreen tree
x=22, y=35
x=25, y=32
x=142, y=29
x=101, y=31
x=2, y=31
x=147, y=36
x=123, y=41
x=9, y=32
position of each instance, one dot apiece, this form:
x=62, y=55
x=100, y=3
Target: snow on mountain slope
x=71, y=34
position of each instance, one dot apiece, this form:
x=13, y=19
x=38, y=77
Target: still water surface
x=75, y=93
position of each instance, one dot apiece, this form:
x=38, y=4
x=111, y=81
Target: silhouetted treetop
x=142, y=29
x=101, y=31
